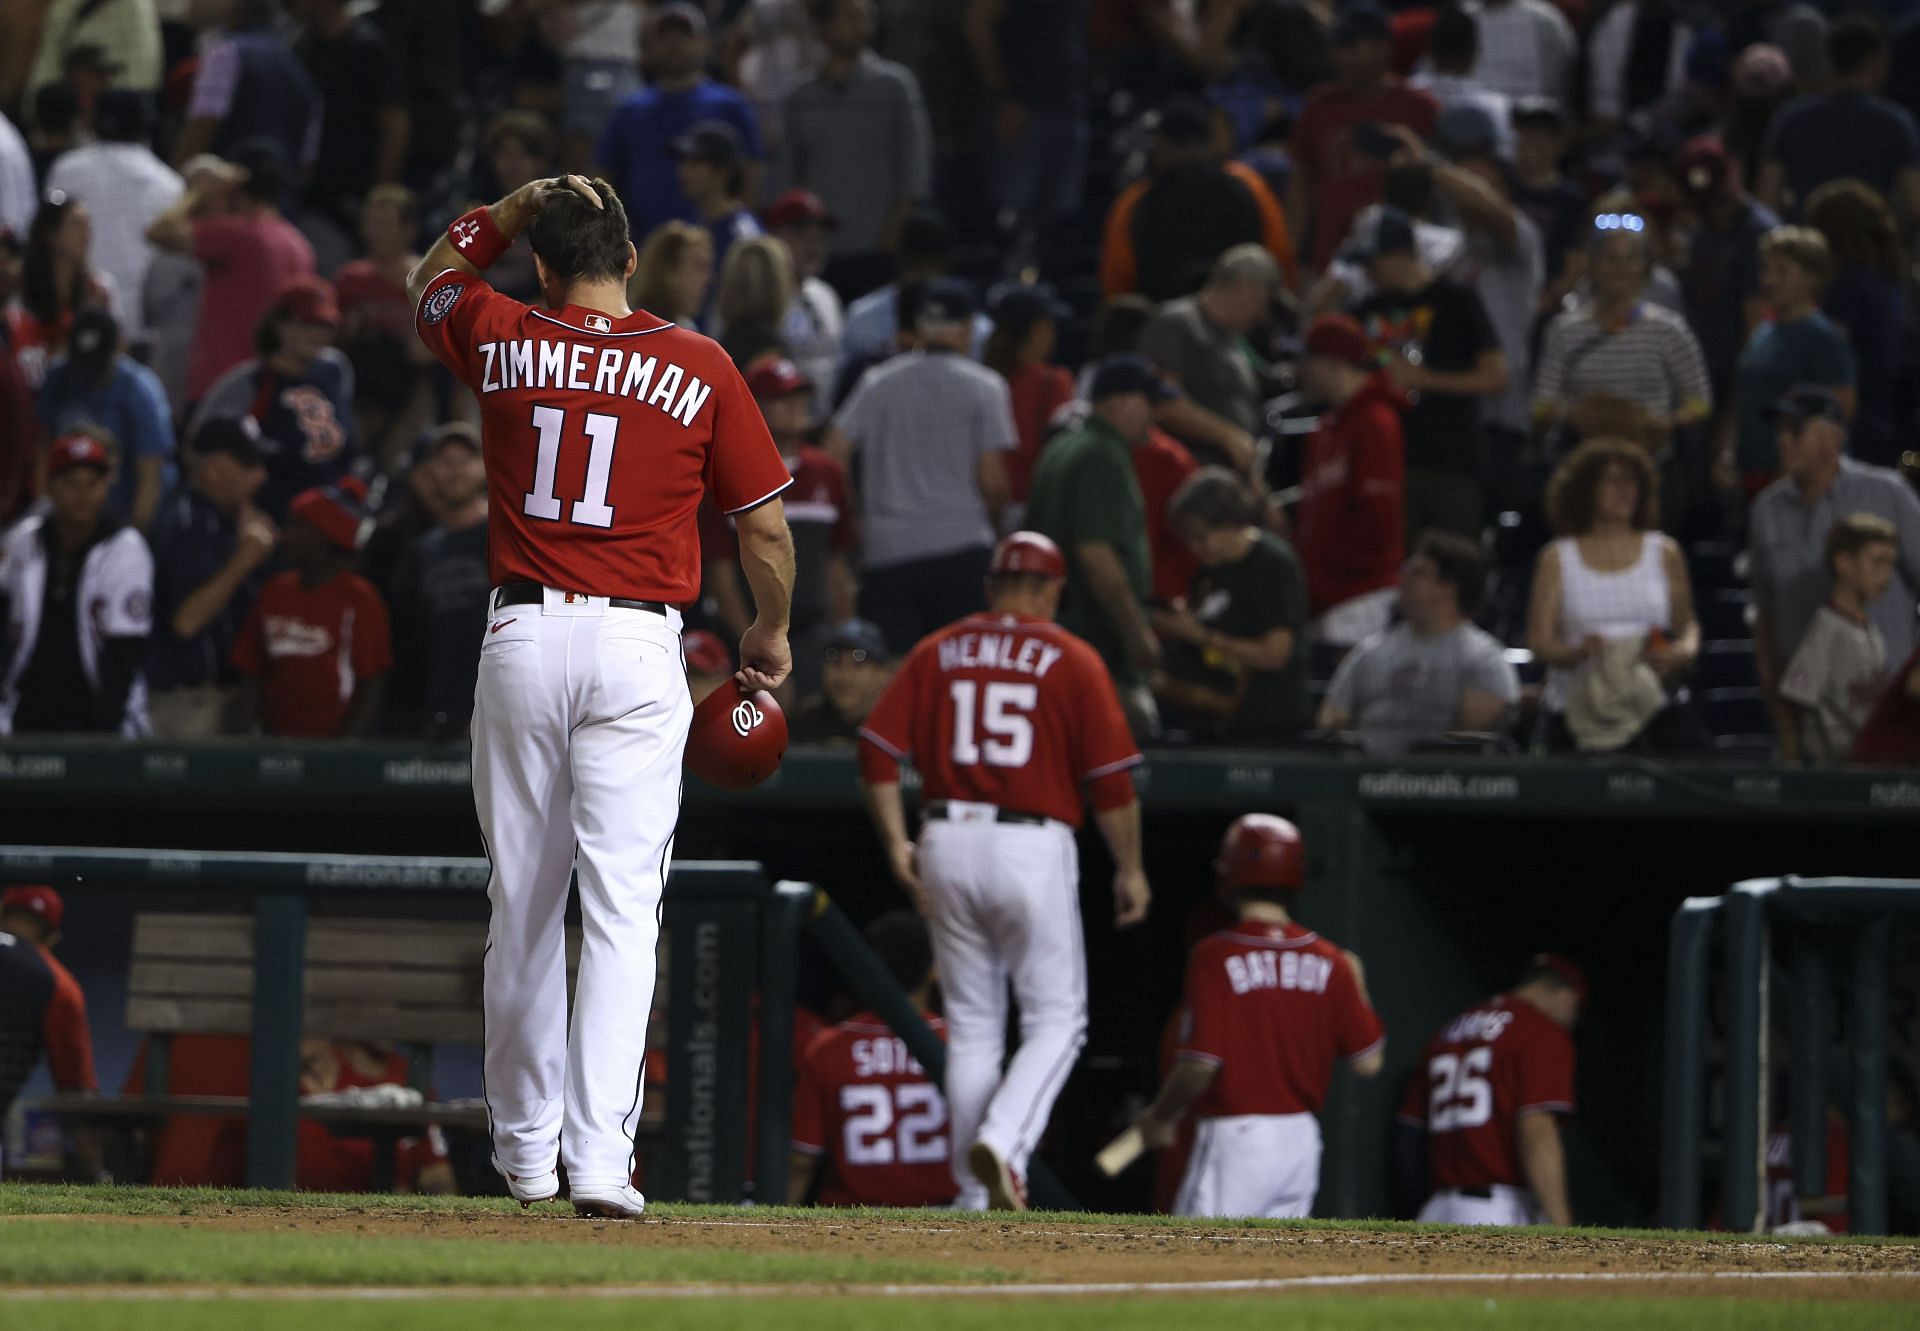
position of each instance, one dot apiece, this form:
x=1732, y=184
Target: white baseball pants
x=1005, y=903
x=1252, y=1165
x=579, y=720
x=1506, y=1206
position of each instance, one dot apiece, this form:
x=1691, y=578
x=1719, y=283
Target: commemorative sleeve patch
x=440, y=304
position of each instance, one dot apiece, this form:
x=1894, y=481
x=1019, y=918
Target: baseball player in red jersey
x=866, y=1117
x=1008, y=719
x=602, y=427
x=1488, y=1093
x=42, y=1010
x=1271, y=1007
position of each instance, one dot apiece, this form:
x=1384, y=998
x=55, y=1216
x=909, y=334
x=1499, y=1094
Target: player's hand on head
x=1131, y=898
x=765, y=658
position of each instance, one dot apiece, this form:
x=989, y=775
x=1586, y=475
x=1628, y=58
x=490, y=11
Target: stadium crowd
x=1518, y=375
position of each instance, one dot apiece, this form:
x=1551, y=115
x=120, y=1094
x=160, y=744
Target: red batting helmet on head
x=1261, y=851
x=1030, y=553
x=736, y=740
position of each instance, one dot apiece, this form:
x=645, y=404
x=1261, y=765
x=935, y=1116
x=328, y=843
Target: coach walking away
x=602, y=428
x=77, y=585
x=42, y=1009
x=1010, y=721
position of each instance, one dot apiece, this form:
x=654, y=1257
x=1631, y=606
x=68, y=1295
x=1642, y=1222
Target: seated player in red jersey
x=869, y=1124
x=1489, y=1092
x=1271, y=1007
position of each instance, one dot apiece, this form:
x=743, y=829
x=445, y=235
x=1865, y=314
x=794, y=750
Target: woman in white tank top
x=1611, y=575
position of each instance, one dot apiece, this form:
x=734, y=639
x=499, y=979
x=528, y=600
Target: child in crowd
x=1839, y=668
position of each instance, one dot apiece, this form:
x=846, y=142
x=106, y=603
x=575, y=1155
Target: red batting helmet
x=1030, y=553
x=736, y=740
x=1263, y=852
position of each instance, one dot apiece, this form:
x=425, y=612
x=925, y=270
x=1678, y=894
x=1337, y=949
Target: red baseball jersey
x=41, y=1011
x=1479, y=1074
x=600, y=436
x=867, y=1105
x=312, y=647
x=1003, y=710
x=1274, y=1007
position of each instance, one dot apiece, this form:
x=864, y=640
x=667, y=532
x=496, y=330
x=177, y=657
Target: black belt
x=1479, y=1194
x=532, y=593
x=940, y=809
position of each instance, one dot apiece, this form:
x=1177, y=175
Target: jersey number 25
x=1460, y=1094
x=993, y=723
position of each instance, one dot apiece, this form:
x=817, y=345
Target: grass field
x=158, y=1259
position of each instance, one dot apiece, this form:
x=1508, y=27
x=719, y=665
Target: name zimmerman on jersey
x=997, y=651
x=542, y=363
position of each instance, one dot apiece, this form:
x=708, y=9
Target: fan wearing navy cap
x=709, y=166
x=317, y=647
x=77, y=584
x=855, y=668
x=42, y=1010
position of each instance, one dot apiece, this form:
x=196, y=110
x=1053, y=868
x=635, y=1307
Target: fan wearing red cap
x=41, y=1005
x=77, y=582
x=709, y=663
x=1271, y=1009
x=1012, y=722
x=1489, y=1093
x=317, y=647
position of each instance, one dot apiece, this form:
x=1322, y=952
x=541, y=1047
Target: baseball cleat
x=530, y=1188
x=1005, y=1191
x=618, y=1201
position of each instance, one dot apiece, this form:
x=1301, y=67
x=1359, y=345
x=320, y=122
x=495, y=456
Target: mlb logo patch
x=599, y=323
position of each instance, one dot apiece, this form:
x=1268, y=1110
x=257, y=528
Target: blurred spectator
x=1235, y=649
x=636, y=148
x=1798, y=345
x=930, y=429
x=1033, y=65
x=413, y=506
x=1612, y=578
x=1199, y=343
x=1840, y=666
x=1086, y=497
x=19, y=431
x=924, y=252
x=435, y=79
x=1721, y=275
x=1636, y=54
x=299, y=391
x=1339, y=149
x=1617, y=363
x=709, y=663
x=1762, y=84
x=1557, y=206
x=854, y=671
x=751, y=304
x=376, y=323
x=1408, y=188
x=1867, y=302
x=1164, y=232
x=45, y=1011
x=454, y=586
x=124, y=187
x=772, y=48
x=674, y=274
x=519, y=147
x=857, y=135
x=1891, y=734
x=120, y=37
x=1847, y=133
x=364, y=130
x=56, y=284
x=1787, y=538
x=249, y=85
x=77, y=583
x=229, y=219
x=1527, y=49
x=709, y=172
x=597, y=42
x=209, y=546
x=1026, y=331
x=18, y=194
x=97, y=388
x=1433, y=673
x=1350, y=524
x=1450, y=81
x=1439, y=345
x=55, y=125
x=315, y=651
x=816, y=321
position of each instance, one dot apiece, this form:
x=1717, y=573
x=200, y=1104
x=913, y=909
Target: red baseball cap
x=310, y=300
x=37, y=898
x=1567, y=969
x=338, y=512
x=797, y=206
x=706, y=653
x=77, y=450
x=1339, y=337
x=1030, y=553
x=778, y=378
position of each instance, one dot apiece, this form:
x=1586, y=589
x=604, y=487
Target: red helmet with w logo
x=737, y=739
x=1261, y=851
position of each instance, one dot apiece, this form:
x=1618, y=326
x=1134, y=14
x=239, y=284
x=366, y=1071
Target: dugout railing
x=1814, y=921
x=732, y=963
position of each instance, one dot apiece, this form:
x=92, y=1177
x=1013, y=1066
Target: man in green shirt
x=1085, y=496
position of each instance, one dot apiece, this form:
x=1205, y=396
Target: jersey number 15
x=993, y=723
x=1460, y=1094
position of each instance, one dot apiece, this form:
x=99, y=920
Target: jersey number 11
x=591, y=508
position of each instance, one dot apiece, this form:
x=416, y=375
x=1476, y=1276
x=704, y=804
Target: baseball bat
x=1121, y=1152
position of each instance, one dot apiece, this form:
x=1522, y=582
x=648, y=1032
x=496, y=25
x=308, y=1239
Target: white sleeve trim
x=1108, y=769
x=883, y=745
x=771, y=494
x=1547, y=1107
x=1372, y=1048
